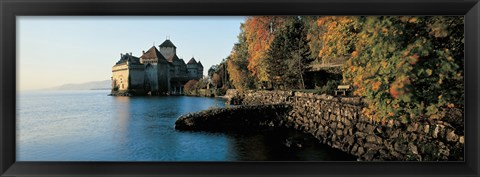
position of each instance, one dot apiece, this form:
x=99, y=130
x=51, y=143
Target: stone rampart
x=338, y=122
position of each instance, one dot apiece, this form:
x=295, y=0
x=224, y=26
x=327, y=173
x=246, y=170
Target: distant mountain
x=95, y=85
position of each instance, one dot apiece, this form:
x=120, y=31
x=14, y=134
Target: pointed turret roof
x=174, y=58
x=192, y=61
x=167, y=43
x=152, y=53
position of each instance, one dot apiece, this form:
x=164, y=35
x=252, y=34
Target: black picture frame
x=9, y=9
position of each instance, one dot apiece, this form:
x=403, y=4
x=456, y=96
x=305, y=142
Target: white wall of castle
x=121, y=74
x=120, y=77
x=168, y=52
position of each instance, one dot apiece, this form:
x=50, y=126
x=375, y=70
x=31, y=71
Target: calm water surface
x=91, y=126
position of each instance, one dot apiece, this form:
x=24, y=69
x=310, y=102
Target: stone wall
x=243, y=118
x=338, y=122
x=163, y=76
x=151, y=77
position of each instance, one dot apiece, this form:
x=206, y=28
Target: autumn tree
x=259, y=35
x=409, y=68
x=216, y=80
x=237, y=64
x=332, y=38
x=202, y=83
x=190, y=86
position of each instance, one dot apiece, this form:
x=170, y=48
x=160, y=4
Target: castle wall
x=183, y=70
x=137, y=76
x=192, y=71
x=163, y=77
x=200, y=72
x=180, y=69
x=151, y=77
x=154, y=74
x=120, y=77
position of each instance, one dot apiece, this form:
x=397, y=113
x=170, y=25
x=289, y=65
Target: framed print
x=251, y=88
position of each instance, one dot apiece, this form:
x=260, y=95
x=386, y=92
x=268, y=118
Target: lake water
x=91, y=126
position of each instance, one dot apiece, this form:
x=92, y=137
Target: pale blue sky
x=54, y=50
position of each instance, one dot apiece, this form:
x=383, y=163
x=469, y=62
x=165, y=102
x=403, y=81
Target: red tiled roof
x=152, y=53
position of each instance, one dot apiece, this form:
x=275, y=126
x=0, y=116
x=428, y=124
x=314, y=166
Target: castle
x=155, y=72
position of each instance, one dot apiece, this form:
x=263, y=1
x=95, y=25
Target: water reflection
x=284, y=145
x=95, y=127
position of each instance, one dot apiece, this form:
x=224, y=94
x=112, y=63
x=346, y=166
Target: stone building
x=155, y=72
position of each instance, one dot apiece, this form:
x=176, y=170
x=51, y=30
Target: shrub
x=329, y=87
x=190, y=86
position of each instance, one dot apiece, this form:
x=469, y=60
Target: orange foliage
x=259, y=35
x=190, y=85
x=399, y=87
x=335, y=37
x=237, y=77
x=376, y=85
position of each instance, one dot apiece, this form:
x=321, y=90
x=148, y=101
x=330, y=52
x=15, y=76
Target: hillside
x=94, y=85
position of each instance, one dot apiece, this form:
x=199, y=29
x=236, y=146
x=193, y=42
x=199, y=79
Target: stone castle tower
x=155, y=72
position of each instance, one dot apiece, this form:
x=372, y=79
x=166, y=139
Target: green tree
x=237, y=64
x=259, y=34
x=289, y=54
x=212, y=70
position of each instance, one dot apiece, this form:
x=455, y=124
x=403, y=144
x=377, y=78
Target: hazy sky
x=52, y=51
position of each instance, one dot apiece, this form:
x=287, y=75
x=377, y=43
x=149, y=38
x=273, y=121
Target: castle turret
x=192, y=68
x=200, y=69
x=168, y=50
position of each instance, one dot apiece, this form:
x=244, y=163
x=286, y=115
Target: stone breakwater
x=235, y=118
x=338, y=122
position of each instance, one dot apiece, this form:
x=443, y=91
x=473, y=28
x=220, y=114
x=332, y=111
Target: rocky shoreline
x=234, y=118
x=338, y=122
